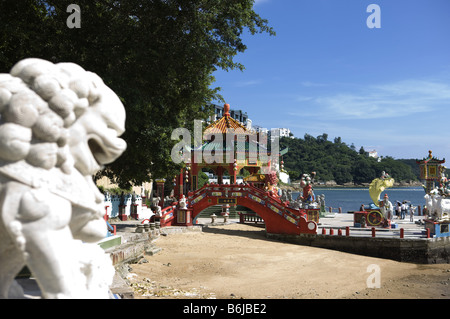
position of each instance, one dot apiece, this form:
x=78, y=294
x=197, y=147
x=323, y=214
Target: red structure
x=259, y=193
x=369, y=218
x=278, y=218
x=431, y=170
x=239, y=149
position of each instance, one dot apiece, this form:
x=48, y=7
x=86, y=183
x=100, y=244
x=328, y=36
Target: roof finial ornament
x=226, y=109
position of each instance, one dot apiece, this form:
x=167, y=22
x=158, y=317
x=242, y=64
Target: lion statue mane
x=59, y=125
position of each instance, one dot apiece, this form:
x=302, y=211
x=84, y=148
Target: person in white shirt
x=411, y=213
x=403, y=210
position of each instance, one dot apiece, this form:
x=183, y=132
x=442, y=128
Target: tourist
x=411, y=212
x=403, y=210
x=398, y=210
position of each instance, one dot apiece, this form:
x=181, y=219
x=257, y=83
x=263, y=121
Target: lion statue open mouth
x=59, y=124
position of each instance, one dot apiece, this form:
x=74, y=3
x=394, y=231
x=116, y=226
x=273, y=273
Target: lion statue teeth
x=59, y=124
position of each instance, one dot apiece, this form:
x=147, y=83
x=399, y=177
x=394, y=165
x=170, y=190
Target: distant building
x=238, y=115
x=218, y=112
x=373, y=154
x=242, y=117
x=281, y=132
x=284, y=132
x=260, y=129
x=249, y=125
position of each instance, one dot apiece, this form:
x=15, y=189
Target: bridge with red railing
x=277, y=216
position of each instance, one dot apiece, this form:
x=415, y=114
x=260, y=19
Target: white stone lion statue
x=58, y=125
x=438, y=207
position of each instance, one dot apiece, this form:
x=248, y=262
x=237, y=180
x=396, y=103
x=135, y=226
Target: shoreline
x=366, y=185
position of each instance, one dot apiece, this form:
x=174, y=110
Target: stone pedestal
x=225, y=217
x=140, y=228
x=134, y=211
x=437, y=229
x=160, y=190
x=122, y=214
x=184, y=217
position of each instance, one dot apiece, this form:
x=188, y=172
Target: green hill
x=339, y=162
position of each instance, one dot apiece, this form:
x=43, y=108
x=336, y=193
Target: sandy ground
x=238, y=261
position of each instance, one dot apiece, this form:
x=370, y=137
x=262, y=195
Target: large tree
x=159, y=56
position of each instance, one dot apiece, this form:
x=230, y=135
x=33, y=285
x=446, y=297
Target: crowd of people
x=404, y=209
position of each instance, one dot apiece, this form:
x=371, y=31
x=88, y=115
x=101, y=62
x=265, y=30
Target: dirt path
x=237, y=261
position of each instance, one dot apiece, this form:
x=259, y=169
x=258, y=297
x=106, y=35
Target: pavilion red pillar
x=235, y=169
x=194, y=176
x=179, y=186
x=220, y=175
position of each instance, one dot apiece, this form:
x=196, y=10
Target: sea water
x=351, y=199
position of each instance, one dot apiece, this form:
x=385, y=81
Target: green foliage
x=338, y=161
x=202, y=179
x=244, y=173
x=115, y=190
x=157, y=55
x=414, y=166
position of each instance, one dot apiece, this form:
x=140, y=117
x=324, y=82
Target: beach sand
x=238, y=261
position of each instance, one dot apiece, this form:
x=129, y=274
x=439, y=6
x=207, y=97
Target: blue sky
x=386, y=89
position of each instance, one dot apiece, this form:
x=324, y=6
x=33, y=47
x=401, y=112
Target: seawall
x=421, y=250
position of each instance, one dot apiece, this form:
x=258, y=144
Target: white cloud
x=304, y=98
x=260, y=1
x=383, y=101
x=402, y=119
x=312, y=84
x=248, y=83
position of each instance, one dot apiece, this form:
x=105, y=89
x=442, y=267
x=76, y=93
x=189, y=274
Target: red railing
x=256, y=194
x=266, y=204
x=166, y=217
x=250, y=218
x=226, y=189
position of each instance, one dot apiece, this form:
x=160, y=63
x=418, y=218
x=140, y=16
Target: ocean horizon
x=351, y=198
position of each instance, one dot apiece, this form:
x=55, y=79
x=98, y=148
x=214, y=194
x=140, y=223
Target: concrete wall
x=132, y=248
x=112, y=206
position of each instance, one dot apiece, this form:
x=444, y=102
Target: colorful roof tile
x=225, y=124
x=430, y=160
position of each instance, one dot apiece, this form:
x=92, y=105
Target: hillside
x=339, y=162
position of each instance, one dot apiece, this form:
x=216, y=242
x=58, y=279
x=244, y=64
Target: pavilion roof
x=228, y=124
x=430, y=160
x=225, y=124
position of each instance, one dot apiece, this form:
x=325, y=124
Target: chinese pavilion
x=230, y=156
x=431, y=170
